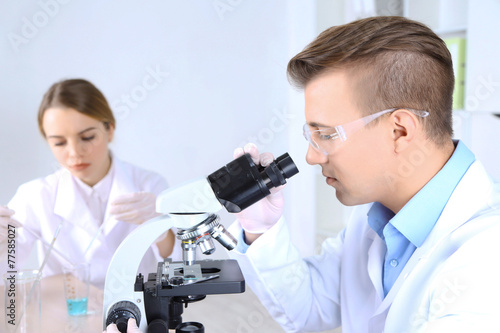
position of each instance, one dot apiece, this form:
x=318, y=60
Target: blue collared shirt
x=408, y=229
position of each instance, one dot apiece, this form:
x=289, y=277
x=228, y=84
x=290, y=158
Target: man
x=420, y=252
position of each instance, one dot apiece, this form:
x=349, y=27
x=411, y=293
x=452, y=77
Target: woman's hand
x=134, y=208
x=6, y=220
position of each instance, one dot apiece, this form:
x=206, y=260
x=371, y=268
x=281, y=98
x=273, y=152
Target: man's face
x=357, y=168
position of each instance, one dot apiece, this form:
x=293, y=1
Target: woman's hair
x=80, y=95
x=392, y=62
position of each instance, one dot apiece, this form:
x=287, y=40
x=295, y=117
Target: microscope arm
x=122, y=270
x=186, y=205
x=235, y=186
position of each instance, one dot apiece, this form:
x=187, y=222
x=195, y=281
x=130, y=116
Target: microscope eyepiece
x=241, y=183
x=286, y=165
x=236, y=186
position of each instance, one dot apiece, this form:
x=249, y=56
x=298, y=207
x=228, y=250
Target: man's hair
x=393, y=62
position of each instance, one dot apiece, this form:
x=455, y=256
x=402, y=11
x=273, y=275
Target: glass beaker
x=76, y=288
x=22, y=302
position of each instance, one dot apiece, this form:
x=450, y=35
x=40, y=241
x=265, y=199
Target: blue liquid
x=77, y=306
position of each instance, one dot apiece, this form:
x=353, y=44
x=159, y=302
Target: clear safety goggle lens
x=309, y=137
x=323, y=140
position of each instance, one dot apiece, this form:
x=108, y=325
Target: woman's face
x=79, y=143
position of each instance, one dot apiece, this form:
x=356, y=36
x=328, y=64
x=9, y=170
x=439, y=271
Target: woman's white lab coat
x=43, y=203
x=450, y=284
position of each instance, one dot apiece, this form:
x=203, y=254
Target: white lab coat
x=42, y=203
x=450, y=284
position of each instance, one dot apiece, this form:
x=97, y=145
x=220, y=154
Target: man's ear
x=404, y=126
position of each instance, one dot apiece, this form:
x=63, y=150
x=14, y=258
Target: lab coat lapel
x=459, y=209
x=376, y=262
x=376, y=254
x=377, y=322
x=122, y=183
x=469, y=198
x=71, y=206
x=451, y=218
x=384, y=307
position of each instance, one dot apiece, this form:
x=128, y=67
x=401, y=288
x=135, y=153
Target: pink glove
x=262, y=215
x=131, y=327
x=5, y=221
x=134, y=208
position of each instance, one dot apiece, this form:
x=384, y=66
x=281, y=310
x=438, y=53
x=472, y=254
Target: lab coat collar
x=101, y=189
x=416, y=223
x=70, y=204
x=454, y=215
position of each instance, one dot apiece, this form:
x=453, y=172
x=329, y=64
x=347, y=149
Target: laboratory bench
x=218, y=313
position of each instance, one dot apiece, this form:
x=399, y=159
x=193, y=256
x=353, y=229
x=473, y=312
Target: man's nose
x=314, y=156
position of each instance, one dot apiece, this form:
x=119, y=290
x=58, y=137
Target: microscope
x=156, y=302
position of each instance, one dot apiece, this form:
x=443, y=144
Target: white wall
x=189, y=81
x=220, y=82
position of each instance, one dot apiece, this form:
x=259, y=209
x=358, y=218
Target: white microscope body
x=184, y=208
x=189, y=208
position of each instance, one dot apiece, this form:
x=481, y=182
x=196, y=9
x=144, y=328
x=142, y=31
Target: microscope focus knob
x=121, y=312
x=158, y=326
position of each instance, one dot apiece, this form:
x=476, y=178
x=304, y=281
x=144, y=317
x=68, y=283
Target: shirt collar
x=378, y=216
x=414, y=221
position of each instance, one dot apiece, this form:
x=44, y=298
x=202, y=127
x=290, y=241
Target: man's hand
x=131, y=327
x=262, y=215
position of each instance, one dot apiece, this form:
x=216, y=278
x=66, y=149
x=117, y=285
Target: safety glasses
x=324, y=140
